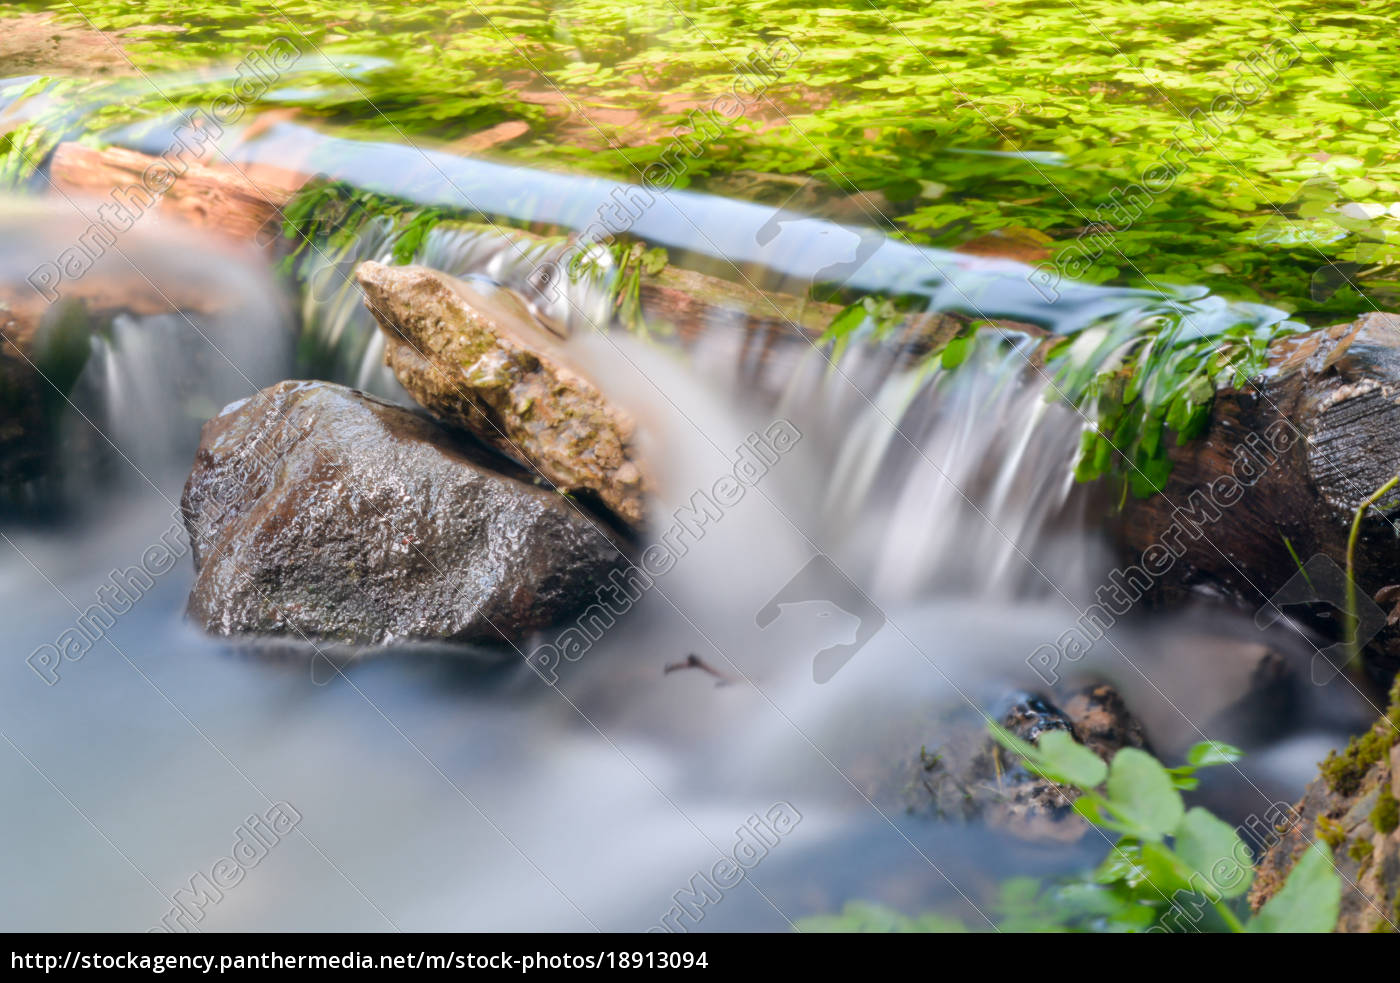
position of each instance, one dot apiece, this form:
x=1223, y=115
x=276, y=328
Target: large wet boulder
x=317, y=512
x=1352, y=807
x=485, y=364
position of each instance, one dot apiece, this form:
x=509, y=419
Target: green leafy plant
x=633, y=261
x=1139, y=383
x=1170, y=869
x=324, y=220
x=1353, y=614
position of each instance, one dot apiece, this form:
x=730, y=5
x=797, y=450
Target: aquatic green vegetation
x=1252, y=150
x=1143, y=383
x=1353, y=643
x=1170, y=870
x=1152, y=144
x=1145, y=387
x=325, y=219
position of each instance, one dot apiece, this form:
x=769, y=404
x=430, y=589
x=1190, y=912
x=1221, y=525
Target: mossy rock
x=1351, y=806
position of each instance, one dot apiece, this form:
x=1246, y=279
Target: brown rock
x=971, y=777
x=483, y=364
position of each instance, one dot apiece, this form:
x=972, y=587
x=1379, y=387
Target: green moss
x=1344, y=772
x=1330, y=832
x=1360, y=849
x=324, y=219
x=1386, y=815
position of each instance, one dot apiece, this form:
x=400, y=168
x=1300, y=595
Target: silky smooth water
x=441, y=793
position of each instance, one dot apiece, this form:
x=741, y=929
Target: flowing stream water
x=445, y=793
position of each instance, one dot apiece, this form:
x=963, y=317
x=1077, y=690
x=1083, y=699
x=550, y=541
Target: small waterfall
x=151, y=381
x=159, y=329
x=339, y=337
x=938, y=493
x=977, y=471
x=947, y=481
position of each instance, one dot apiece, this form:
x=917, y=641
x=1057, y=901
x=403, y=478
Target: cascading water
x=434, y=794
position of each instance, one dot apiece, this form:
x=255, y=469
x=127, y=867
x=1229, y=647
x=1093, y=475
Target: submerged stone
x=969, y=776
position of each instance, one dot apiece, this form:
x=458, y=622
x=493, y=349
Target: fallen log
x=1264, y=501
x=234, y=202
x=244, y=203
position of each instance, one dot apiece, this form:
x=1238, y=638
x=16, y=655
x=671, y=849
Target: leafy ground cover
x=1038, y=124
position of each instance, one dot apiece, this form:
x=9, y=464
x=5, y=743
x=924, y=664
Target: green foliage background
x=1293, y=202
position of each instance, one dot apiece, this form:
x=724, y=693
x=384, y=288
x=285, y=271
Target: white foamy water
x=902, y=557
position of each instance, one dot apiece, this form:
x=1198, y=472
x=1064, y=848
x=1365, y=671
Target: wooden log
x=1276, y=480
x=241, y=203
x=234, y=202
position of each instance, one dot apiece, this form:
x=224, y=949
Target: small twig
x=693, y=661
x=1354, y=655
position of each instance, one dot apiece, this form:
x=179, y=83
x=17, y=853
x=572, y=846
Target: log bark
x=1276, y=481
x=1352, y=808
x=241, y=203
x=235, y=202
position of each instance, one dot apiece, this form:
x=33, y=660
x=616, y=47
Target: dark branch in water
x=693, y=661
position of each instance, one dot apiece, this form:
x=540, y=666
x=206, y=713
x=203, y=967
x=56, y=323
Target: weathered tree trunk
x=236, y=202
x=1275, y=482
x=242, y=203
